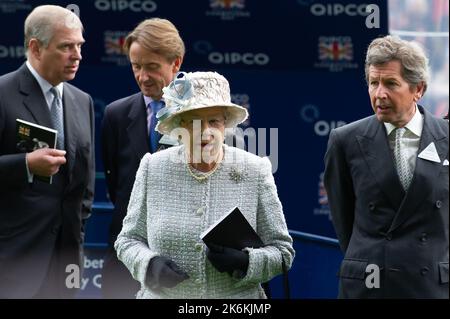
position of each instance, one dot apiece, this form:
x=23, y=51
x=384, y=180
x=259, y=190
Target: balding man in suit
x=41, y=224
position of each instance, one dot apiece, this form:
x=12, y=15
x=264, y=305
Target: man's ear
x=177, y=64
x=34, y=48
x=419, y=91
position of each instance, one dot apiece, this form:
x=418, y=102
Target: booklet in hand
x=232, y=230
x=31, y=136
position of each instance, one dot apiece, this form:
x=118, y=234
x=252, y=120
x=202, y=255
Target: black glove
x=227, y=259
x=164, y=272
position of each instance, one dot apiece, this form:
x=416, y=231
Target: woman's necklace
x=203, y=177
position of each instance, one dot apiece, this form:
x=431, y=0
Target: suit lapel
x=71, y=128
x=137, y=127
x=375, y=148
x=426, y=172
x=34, y=99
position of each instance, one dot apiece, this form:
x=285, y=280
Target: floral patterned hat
x=193, y=91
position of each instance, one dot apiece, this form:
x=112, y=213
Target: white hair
x=43, y=20
x=409, y=53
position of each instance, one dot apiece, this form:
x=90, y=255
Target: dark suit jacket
x=405, y=235
x=124, y=143
x=33, y=216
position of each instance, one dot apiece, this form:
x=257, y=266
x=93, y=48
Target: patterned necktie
x=154, y=136
x=401, y=162
x=56, y=112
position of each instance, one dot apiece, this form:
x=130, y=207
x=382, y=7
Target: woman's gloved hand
x=227, y=259
x=164, y=272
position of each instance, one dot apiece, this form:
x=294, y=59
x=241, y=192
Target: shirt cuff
x=29, y=174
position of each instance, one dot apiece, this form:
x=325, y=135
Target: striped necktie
x=401, y=162
x=56, y=112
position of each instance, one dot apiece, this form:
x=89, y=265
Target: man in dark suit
x=41, y=224
x=156, y=52
x=387, y=182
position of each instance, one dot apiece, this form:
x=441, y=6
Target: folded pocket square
x=430, y=153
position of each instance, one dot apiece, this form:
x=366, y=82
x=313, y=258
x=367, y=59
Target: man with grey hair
x=156, y=52
x=387, y=182
x=41, y=223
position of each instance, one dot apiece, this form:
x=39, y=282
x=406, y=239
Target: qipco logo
x=122, y=5
x=323, y=128
x=74, y=8
x=336, y=9
x=241, y=99
x=310, y=113
x=238, y=58
x=11, y=52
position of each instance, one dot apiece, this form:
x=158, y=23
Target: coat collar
x=71, y=125
x=375, y=148
x=34, y=99
x=374, y=145
x=137, y=125
x=36, y=104
x=426, y=172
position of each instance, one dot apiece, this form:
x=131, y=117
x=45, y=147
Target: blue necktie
x=154, y=136
x=56, y=112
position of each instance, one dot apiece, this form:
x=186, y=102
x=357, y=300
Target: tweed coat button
x=200, y=211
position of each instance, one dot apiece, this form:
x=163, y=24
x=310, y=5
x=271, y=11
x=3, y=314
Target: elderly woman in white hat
x=181, y=191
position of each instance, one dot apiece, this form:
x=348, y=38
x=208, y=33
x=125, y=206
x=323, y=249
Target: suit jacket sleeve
x=13, y=171
x=109, y=154
x=88, y=197
x=266, y=262
x=132, y=243
x=339, y=187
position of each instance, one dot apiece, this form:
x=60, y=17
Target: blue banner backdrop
x=297, y=65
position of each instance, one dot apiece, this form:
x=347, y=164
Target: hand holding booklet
x=31, y=136
x=232, y=230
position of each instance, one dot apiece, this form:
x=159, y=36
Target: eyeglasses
x=213, y=121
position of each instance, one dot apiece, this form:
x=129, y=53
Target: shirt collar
x=415, y=125
x=148, y=99
x=43, y=83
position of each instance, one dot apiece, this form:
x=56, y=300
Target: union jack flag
x=227, y=4
x=323, y=197
x=114, y=44
x=335, y=50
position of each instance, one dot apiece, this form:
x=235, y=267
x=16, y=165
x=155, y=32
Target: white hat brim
x=236, y=115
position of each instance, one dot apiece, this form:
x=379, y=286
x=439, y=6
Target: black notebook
x=232, y=230
x=31, y=136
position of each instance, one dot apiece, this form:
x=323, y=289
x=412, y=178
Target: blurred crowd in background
x=427, y=22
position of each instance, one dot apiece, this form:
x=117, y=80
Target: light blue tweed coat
x=169, y=209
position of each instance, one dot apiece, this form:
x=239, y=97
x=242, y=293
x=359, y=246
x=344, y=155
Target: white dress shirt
x=45, y=87
x=411, y=138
